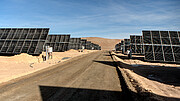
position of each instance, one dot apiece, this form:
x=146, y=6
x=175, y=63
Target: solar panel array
x=136, y=44
x=88, y=45
x=162, y=45
x=95, y=46
x=83, y=42
x=125, y=45
x=22, y=40
x=58, y=42
x=118, y=47
x=122, y=46
x=32, y=41
x=75, y=43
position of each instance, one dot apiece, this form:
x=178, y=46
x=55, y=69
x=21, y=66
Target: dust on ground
x=12, y=67
x=162, y=79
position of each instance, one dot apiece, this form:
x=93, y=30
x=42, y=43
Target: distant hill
x=106, y=44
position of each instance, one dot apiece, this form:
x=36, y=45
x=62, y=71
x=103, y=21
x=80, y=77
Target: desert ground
x=19, y=65
x=89, y=77
x=23, y=64
x=106, y=44
x=152, y=79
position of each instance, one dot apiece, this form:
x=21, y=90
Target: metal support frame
x=162, y=47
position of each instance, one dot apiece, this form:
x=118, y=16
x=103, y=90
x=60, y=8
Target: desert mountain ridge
x=105, y=43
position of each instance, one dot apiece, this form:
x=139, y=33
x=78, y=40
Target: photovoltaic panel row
x=58, y=47
x=162, y=45
x=136, y=44
x=126, y=45
x=118, y=47
x=59, y=38
x=59, y=43
x=95, y=46
x=22, y=40
x=75, y=43
x=161, y=37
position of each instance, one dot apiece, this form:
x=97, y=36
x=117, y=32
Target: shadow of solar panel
x=164, y=34
x=176, y=49
x=168, y=57
x=157, y=48
x=167, y=49
x=177, y=56
x=159, y=56
x=148, y=48
x=149, y=56
x=165, y=40
x=156, y=41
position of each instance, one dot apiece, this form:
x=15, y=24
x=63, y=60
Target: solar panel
x=88, y=45
x=58, y=42
x=122, y=46
x=95, y=46
x=126, y=44
x=118, y=47
x=22, y=40
x=75, y=43
x=136, y=44
x=162, y=45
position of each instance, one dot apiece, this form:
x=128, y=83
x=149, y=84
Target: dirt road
x=88, y=78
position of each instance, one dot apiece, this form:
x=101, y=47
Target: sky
x=115, y=19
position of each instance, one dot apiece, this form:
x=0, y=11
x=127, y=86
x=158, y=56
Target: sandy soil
x=15, y=66
x=161, y=79
x=106, y=44
x=89, y=78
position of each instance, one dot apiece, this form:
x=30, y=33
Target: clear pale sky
x=92, y=18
